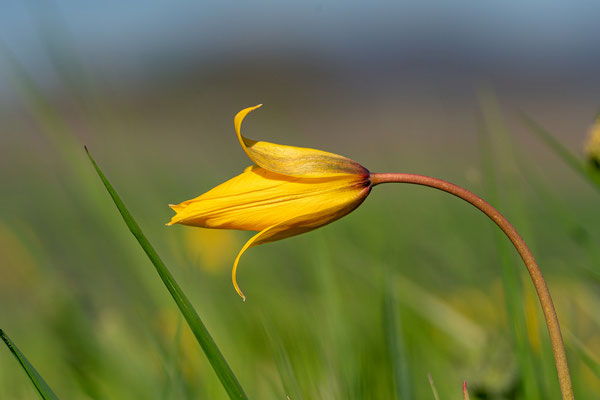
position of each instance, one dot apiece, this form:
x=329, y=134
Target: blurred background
x=412, y=283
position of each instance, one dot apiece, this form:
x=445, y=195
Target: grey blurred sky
x=548, y=41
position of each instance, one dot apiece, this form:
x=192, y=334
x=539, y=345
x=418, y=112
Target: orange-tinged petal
x=257, y=199
x=295, y=161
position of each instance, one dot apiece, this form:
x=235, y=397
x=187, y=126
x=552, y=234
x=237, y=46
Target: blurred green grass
x=409, y=284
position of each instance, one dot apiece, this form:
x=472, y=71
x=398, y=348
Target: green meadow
x=407, y=297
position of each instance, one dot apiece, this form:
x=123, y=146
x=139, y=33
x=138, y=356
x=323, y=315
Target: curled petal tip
x=240, y=293
x=294, y=161
x=248, y=109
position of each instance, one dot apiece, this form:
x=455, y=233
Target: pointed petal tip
x=177, y=207
x=172, y=222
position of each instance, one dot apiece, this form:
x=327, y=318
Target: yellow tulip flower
x=290, y=190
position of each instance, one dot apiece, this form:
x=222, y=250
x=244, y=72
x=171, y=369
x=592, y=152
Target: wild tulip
x=293, y=190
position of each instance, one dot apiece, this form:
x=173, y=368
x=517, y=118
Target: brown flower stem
x=558, y=347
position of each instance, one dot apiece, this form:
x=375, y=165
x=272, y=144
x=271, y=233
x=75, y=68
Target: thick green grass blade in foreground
x=216, y=359
x=565, y=154
x=39, y=382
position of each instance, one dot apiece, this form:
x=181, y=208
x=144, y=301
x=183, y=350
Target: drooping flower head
x=290, y=190
x=293, y=190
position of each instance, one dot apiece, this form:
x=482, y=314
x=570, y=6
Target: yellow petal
x=248, y=244
x=258, y=199
x=295, y=161
x=295, y=226
x=592, y=146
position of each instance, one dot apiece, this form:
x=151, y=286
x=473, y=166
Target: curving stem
x=556, y=339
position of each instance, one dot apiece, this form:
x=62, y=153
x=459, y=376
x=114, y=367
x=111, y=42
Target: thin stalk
x=436, y=396
x=560, y=357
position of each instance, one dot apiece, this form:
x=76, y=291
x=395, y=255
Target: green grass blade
x=559, y=149
x=39, y=382
x=216, y=359
x=436, y=396
x=589, y=359
x=396, y=346
x=285, y=368
x=573, y=228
